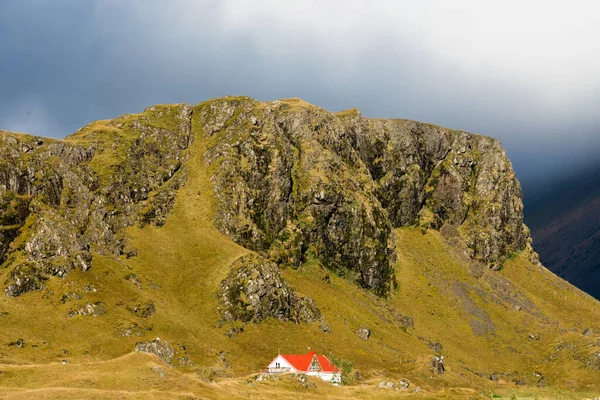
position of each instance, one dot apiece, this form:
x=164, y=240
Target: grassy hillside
x=501, y=332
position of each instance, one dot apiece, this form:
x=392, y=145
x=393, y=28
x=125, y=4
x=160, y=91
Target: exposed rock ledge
x=254, y=290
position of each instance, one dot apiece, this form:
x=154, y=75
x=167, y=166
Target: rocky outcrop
x=175, y=356
x=132, y=329
x=20, y=343
x=254, y=290
x=158, y=347
x=60, y=199
x=293, y=181
x=437, y=364
x=288, y=184
x=143, y=310
x=386, y=385
x=404, y=384
x=25, y=277
x=95, y=309
x=363, y=333
x=435, y=176
x=14, y=210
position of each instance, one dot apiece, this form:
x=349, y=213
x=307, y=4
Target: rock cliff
x=293, y=181
x=290, y=181
x=63, y=201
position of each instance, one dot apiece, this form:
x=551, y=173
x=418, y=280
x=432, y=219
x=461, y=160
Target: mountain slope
x=419, y=269
x=565, y=221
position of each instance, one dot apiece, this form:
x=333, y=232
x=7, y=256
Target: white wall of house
x=280, y=364
x=331, y=377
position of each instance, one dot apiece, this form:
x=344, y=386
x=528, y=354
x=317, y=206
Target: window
x=277, y=365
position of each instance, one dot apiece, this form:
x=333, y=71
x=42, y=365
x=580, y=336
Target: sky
x=525, y=72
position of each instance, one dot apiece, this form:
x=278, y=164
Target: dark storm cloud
x=524, y=74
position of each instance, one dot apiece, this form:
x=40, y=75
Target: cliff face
x=291, y=181
x=63, y=201
x=288, y=185
x=434, y=176
x=294, y=181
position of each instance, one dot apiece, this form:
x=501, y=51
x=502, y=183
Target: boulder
x=20, y=343
x=437, y=364
x=404, y=384
x=254, y=291
x=363, y=333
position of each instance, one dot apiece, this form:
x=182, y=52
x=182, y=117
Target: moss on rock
x=84, y=191
x=254, y=291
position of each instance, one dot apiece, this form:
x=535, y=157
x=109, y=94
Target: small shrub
x=346, y=367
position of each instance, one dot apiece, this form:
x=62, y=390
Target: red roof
x=302, y=361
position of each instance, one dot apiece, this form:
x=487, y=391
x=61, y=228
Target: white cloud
x=550, y=46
